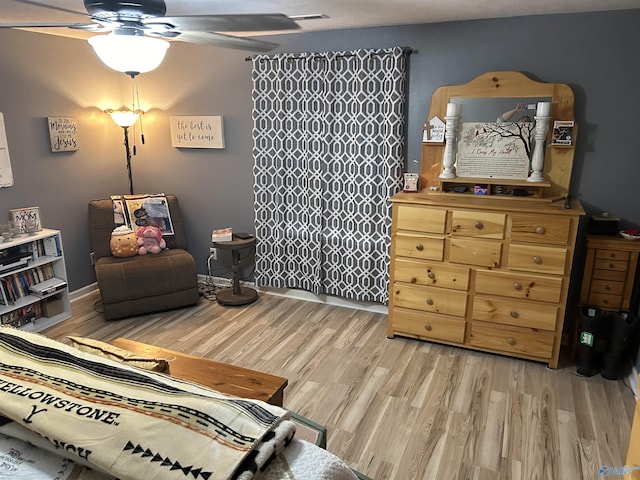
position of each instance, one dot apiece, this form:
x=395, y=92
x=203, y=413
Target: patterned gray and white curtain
x=328, y=147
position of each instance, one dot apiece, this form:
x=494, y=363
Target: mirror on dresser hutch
x=487, y=265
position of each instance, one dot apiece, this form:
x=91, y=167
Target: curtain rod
x=405, y=50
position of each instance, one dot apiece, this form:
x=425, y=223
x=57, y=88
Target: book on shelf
x=222, y=235
x=22, y=316
x=51, y=247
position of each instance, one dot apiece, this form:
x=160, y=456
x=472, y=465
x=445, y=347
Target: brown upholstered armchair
x=143, y=283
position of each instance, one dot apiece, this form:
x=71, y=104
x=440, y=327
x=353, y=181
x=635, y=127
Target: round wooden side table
x=236, y=295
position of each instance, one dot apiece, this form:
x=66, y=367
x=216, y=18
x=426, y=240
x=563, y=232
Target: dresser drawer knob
x=541, y=230
x=514, y=314
x=479, y=225
x=517, y=286
x=431, y=275
x=419, y=247
x=611, y=265
x=612, y=255
x=427, y=327
x=511, y=341
x=537, y=260
x=429, y=301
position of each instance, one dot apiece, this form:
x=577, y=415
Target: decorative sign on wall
x=494, y=150
x=197, y=132
x=6, y=176
x=63, y=133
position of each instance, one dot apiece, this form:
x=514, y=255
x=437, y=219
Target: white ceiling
x=340, y=14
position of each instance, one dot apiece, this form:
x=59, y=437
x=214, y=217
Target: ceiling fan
x=147, y=18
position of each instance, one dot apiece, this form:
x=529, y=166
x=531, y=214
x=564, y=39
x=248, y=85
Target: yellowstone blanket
x=129, y=423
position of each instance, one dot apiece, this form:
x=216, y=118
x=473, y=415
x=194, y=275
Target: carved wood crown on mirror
x=558, y=162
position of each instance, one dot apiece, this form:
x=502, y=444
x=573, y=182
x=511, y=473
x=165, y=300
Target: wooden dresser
x=486, y=271
x=610, y=272
x=487, y=275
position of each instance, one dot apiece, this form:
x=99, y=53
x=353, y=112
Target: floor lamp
x=126, y=118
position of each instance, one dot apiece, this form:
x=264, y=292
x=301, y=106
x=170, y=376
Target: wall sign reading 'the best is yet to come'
x=197, y=132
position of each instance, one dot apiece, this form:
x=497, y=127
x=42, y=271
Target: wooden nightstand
x=609, y=273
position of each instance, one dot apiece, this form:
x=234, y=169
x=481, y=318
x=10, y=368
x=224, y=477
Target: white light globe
x=131, y=54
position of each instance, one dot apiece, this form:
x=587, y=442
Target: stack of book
x=221, y=235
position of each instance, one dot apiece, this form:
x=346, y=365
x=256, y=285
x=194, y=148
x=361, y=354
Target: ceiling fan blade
x=219, y=40
x=82, y=26
x=50, y=7
x=225, y=23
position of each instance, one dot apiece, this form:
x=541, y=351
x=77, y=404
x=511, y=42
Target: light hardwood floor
x=399, y=408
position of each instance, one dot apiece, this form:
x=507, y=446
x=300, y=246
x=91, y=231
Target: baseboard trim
x=280, y=292
x=82, y=292
x=302, y=295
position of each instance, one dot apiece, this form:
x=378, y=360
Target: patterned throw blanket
x=129, y=423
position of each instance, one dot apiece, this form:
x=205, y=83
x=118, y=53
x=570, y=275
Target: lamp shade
x=131, y=54
x=124, y=117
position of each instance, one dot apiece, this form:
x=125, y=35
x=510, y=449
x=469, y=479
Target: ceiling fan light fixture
x=124, y=117
x=131, y=54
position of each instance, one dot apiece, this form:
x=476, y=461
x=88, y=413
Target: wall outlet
x=213, y=253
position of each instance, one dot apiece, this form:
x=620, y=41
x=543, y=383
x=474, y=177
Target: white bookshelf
x=25, y=269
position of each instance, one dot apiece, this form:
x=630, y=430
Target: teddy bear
x=150, y=240
x=123, y=242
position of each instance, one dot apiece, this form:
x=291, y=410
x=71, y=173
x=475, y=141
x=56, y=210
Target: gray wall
x=45, y=76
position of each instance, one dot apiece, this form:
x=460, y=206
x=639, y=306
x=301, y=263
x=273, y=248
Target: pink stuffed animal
x=150, y=240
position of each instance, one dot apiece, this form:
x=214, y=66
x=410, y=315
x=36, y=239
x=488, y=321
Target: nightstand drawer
x=431, y=273
x=428, y=325
x=536, y=258
x=525, y=286
x=540, y=229
x=430, y=299
x=519, y=313
x=605, y=301
x=607, y=287
x=606, y=264
x=611, y=275
x=420, y=219
x=512, y=340
x=612, y=255
x=475, y=252
x=478, y=224
x=419, y=246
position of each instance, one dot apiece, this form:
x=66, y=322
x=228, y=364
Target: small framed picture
x=26, y=220
x=562, y=133
x=411, y=182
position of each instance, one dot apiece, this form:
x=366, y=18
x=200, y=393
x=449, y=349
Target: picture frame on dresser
x=26, y=220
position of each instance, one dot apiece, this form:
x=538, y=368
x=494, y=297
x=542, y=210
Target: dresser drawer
x=431, y=273
x=428, y=325
x=520, y=313
x=512, y=340
x=612, y=255
x=607, y=287
x=477, y=224
x=420, y=219
x=540, y=229
x=419, y=246
x=536, y=258
x=525, y=286
x=604, y=300
x=484, y=253
x=430, y=299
